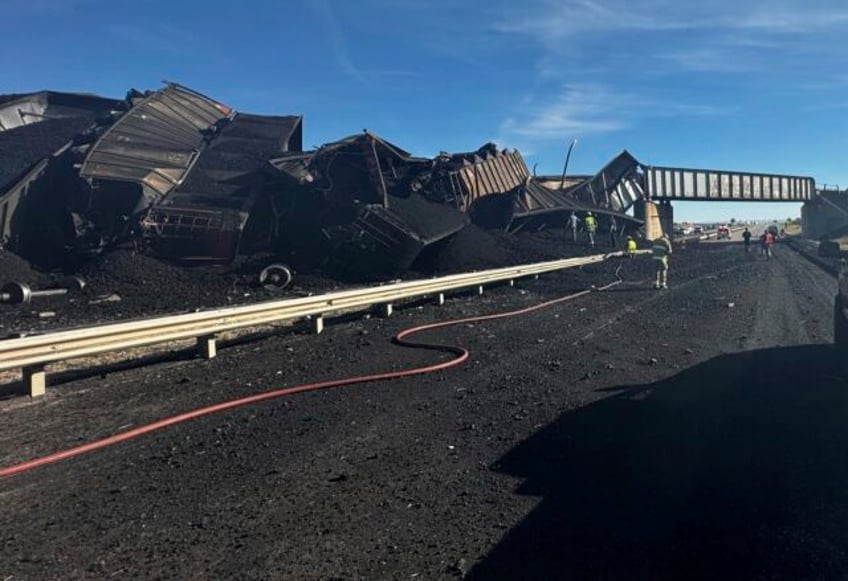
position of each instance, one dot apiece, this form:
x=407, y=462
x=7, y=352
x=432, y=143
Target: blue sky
x=746, y=85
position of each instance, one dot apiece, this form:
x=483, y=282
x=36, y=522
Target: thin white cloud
x=621, y=51
x=335, y=37
x=800, y=18
x=161, y=37
x=832, y=106
x=671, y=36
x=578, y=110
x=708, y=59
x=337, y=41
x=555, y=20
x=45, y=7
x=690, y=110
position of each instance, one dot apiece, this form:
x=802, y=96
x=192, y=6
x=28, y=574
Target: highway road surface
x=692, y=433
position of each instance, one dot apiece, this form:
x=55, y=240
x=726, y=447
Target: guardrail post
x=440, y=299
x=35, y=380
x=207, y=347
x=386, y=310
x=318, y=324
x=480, y=290
x=512, y=282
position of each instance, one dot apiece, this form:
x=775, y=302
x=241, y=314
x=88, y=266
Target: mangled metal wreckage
x=193, y=181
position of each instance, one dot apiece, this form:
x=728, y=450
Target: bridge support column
x=658, y=217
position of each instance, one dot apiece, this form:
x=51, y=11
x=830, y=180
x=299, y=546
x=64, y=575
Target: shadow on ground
x=735, y=468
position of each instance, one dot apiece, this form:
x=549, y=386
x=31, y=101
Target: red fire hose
x=461, y=354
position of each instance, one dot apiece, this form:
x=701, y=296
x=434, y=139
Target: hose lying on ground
x=461, y=354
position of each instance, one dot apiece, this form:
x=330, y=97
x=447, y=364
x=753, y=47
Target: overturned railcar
x=205, y=184
x=43, y=139
x=496, y=189
x=364, y=195
x=188, y=170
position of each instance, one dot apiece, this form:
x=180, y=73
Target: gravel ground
x=693, y=433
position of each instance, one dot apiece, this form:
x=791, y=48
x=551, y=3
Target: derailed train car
x=193, y=181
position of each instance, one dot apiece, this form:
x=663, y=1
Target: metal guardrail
x=33, y=353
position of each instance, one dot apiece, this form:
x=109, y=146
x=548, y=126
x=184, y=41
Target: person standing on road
x=573, y=222
x=768, y=241
x=631, y=247
x=660, y=252
x=591, y=226
x=613, y=232
x=746, y=236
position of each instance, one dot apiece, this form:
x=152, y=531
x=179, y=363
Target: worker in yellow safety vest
x=591, y=226
x=631, y=247
x=660, y=251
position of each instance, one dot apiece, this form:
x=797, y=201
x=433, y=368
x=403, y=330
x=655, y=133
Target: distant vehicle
x=775, y=231
x=723, y=231
x=698, y=230
x=687, y=230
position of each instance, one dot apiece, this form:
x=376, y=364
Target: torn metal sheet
x=36, y=219
x=203, y=219
x=616, y=187
x=26, y=109
x=485, y=172
x=156, y=142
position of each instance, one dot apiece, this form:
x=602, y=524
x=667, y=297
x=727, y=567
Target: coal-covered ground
x=695, y=433
x=124, y=284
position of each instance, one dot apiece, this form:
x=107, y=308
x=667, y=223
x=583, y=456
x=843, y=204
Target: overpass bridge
x=668, y=184
x=625, y=183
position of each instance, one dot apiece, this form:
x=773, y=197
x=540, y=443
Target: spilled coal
x=23, y=147
x=125, y=284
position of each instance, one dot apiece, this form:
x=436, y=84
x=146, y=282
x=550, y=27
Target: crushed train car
x=188, y=169
x=193, y=181
x=354, y=207
x=497, y=190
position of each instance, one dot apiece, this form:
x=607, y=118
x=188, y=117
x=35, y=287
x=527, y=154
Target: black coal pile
x=150, y=285
x=429, y=219
x=243, y=146
x=23, y=147
x=125, y=285
x=15, y=268
x=476, y=249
